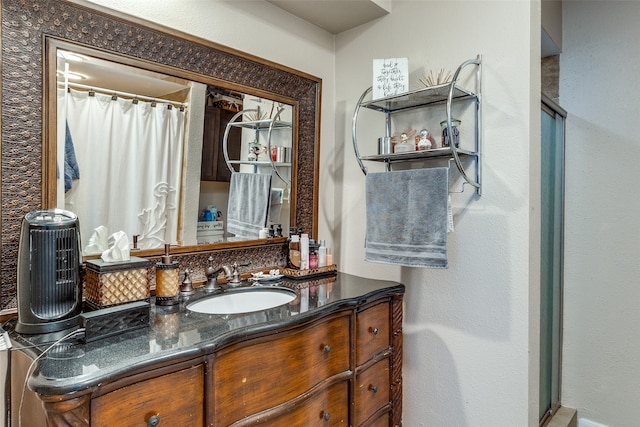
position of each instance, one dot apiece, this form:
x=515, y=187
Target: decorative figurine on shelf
x=424, y=141
x=405, y=142
x=255, y=149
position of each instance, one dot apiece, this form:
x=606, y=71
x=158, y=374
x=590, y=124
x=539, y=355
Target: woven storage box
x=112, y=283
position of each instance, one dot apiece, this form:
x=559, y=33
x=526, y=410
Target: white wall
x=466, y=336
x=599, y=87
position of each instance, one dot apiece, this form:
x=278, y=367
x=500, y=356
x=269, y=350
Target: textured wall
x=468, y=356
x=598, y=87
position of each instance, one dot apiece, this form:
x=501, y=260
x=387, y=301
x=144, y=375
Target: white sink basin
x=243, y=301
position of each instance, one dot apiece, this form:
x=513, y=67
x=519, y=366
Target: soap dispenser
x=167, y=280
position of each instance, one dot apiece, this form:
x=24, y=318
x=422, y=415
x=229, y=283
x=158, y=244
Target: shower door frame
x=550, y=107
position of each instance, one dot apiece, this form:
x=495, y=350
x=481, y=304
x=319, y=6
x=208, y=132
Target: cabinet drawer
x=176, y=399
x=372, y=390
x=372, y=332
x=329, y=407
x=265, y=372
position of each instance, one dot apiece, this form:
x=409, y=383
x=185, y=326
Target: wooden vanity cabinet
x=268, y=376
x=374, y=380
x=341, y=367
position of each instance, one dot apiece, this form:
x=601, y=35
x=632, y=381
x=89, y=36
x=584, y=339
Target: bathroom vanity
x=332, y=356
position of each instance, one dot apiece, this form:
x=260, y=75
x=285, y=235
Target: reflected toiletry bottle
x=294, y=252
x=313, y=255
x=322, y=254
x=304, y=251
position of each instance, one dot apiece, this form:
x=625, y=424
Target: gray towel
x=407, y=217
x=249, y=197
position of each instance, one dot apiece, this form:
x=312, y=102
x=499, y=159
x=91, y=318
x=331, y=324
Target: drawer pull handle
x=373, y=388
x=373, y=331
x=326, y=349
x=325, y=415
x=153, y=421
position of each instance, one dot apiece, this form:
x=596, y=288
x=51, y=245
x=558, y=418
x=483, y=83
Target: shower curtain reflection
x=118, y=141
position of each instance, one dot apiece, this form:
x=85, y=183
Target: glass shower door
x=551, y=256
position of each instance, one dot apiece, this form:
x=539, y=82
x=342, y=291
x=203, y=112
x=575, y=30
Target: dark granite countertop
x=178, y=334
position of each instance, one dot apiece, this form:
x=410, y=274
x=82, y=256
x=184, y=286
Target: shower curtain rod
x=125, y=94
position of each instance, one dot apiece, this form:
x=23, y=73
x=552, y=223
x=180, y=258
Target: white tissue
x=118, y=248
x=98, y=242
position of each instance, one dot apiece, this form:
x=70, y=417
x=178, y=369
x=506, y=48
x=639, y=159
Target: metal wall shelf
x=443, y=94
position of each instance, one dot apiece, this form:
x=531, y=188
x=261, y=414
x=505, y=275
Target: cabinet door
x=213, y=167
x=372, y=390
x=372, y=332
x=265, y=372
x=175, y=399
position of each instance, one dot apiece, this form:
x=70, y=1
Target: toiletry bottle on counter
x=313, y=255
x=294, y=252
x=322, y=254
x=329, y=257
x=304, y=251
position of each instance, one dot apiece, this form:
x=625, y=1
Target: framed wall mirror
x=34, y=31
x=152, y=154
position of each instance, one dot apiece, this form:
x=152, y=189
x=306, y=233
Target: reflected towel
x=249, y=197
x=407, y=217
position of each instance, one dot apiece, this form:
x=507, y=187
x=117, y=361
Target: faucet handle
x=210, y=270
x=186, y=288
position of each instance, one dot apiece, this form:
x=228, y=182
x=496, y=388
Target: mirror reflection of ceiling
x=98, y=73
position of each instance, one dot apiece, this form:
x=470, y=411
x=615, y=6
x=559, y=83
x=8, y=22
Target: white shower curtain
x=129, y=158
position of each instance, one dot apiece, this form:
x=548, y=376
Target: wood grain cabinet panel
x=326, y=408
x=175, y=399
x=372, y=332
x=262, y=373
x=372, y=390
x=382, y=421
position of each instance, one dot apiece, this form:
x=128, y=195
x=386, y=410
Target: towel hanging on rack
x=407, y=217
x=249, y=201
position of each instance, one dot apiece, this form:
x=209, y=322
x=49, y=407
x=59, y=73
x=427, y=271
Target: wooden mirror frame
x=26, y=25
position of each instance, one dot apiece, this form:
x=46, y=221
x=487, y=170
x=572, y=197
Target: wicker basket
x=113, y=283
x=292, y=273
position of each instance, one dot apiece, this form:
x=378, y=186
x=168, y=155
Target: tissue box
x=112, y=283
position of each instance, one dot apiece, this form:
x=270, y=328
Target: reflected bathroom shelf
x=262, y=124
x=268, y=125
x=444, y=94
x=260, y=163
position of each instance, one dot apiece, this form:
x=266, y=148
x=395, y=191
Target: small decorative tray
x=292, y=273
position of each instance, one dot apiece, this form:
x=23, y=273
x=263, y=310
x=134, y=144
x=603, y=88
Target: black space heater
x=49, y=272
